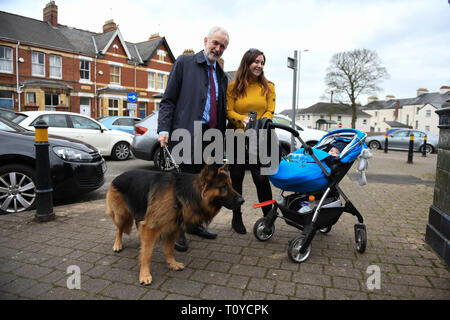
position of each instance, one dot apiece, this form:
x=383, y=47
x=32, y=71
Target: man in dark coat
x=196, y=91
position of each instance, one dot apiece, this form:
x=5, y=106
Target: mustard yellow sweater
x=264, y=105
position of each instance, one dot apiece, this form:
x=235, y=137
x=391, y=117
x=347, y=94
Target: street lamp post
x=292, y=64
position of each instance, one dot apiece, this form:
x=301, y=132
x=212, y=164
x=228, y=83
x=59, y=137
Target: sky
x=411, y=37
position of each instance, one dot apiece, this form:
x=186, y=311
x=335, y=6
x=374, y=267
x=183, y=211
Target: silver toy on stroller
x=312, y=173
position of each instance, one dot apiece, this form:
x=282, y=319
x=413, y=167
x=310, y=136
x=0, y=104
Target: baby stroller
x=311, y=171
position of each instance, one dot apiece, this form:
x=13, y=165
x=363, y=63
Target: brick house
x=53, y=66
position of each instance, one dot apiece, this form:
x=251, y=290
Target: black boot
x=181, y=243
x=237, y=223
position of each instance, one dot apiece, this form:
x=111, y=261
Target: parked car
x=309, y=136
x=122, y=123
x=399, y=140
x=10, y=114
x=75, y=167
x=77, y=126
x=145, y=143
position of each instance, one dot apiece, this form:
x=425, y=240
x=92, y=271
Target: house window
x=6, y=99
x=417, y=125
x=51, y=101
x=114, y=74
x=161, y=83
x=31, y=98
x=38, y=64
x=113, y=107
x=151, y=80
x=427, y=128
x=322, y=116
x=55, y=66
x=364, y=121
x=428, y=114
x=309, y=117
x=6, y=59
x=161, y=55
x=85, y=70
x=339, y=118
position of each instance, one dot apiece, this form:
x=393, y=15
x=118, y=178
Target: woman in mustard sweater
x=249, y=91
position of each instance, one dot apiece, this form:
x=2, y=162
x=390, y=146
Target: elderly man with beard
x=196, y=91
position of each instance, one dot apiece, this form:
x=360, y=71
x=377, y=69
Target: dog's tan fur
x=169, y=213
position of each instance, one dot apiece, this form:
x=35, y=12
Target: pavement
x=71, y=258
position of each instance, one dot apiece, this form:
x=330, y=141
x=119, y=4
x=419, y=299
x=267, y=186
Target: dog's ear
x=208, y=172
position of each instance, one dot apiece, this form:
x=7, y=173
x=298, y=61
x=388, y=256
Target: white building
x=418, y=112
x=324, y=115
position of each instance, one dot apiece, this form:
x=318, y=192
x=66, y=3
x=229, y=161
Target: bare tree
x=353, y=73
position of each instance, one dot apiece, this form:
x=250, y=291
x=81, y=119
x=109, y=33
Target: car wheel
x=428, y=149
x=17, y=189
x=374, y=145
x=121, y=151
x=162, y=163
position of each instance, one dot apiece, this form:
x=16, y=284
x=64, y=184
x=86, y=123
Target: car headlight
x=71, y=154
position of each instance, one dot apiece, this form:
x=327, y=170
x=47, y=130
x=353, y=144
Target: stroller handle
x=284, y=127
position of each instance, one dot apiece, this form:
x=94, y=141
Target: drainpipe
x=95, y=86
x=17, y=75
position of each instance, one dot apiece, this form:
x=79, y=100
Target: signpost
x=132, y=103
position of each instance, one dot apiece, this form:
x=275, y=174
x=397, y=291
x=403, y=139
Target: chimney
x=109, y=26
x=51, y=13
x=154, y=36
x=371, y=99
x=188, y=51
x=444, y=89
x=421, y=91
x=390, y=97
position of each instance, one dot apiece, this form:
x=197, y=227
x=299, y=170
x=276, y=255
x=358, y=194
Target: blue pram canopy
x=299, y=172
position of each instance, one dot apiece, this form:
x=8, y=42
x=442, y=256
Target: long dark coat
x=184, y=100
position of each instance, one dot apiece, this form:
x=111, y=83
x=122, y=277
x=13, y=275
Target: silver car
x=145, y=143
x=399, y=140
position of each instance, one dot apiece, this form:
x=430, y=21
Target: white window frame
x=427, y=113
x=35, y=64
x=88, y=80
x=111, y=68
x=113, y=110
x=31, y=97
x=152, y=82
x=161, y=82
x=51, y=107
x=55, y=69
x=6, y=61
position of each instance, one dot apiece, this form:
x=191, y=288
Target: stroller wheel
x=261, y=231
x=294, y=250
x=325, y=230
x=360, y=237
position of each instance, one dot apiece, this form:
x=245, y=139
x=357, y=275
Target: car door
x=91, y=132
x=58, y=124
x=418, y=139
x=399, y=140
x=124, y=124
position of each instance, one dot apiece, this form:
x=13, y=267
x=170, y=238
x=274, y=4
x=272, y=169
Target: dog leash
x=166, y=151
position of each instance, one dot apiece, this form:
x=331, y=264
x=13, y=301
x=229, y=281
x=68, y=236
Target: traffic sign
x=132, y=106
x=132, y=97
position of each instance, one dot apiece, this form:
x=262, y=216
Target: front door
x=85, y=106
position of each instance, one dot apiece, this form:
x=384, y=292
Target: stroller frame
x=322, y=217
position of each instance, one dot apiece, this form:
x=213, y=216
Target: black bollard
x=386, y=143
x=424, y=148
x=44, y=197
x=410, y=150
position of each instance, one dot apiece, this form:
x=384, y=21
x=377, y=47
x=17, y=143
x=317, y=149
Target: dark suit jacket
x=184, y=100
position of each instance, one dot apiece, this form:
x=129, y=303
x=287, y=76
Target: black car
x=75, y=167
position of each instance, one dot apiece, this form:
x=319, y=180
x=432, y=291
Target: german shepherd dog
x=165, y=204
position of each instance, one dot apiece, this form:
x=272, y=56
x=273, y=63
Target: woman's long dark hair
x=243, y=74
